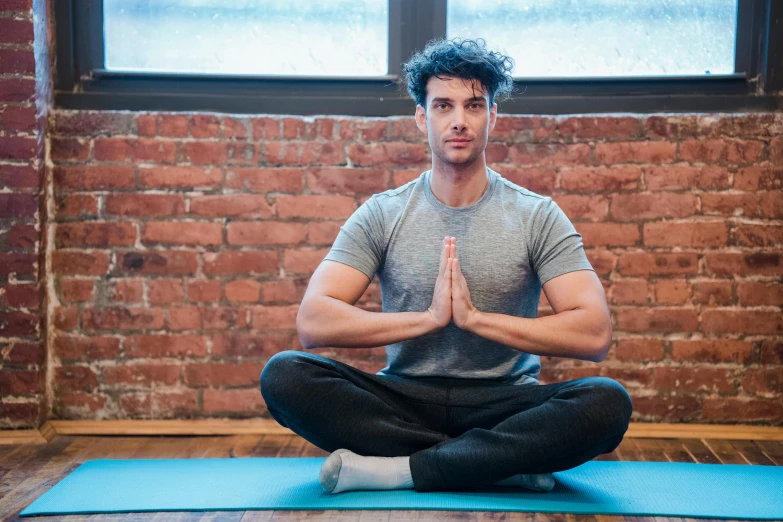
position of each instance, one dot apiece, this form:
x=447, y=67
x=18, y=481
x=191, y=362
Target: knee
x=613, y=400
x=278, y=374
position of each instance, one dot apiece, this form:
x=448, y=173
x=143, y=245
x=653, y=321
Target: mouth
x=459, y=141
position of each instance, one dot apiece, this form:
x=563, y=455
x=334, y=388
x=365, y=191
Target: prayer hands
x=451, y=299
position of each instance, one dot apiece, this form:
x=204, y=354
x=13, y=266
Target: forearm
x=334, y=323
x=571, y=333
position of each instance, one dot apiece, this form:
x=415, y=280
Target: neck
x=459, y=185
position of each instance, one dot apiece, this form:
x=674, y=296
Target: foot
x=344, y=470
x=535, y=481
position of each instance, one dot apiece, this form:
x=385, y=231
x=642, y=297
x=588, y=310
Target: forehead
x=455, y=88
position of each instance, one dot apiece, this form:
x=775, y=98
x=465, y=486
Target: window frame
x=81, y=82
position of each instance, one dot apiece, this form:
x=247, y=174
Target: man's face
x=457, y=120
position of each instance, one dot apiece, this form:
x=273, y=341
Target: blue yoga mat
x=596, y=487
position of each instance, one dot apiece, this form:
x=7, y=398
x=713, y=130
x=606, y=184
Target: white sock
x=536, y=481
x=344, y=470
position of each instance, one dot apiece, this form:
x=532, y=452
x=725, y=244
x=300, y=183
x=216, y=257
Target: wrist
x=473, y=321
x=430, y=324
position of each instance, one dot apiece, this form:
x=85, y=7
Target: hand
x=462, y=309
x=440, y=309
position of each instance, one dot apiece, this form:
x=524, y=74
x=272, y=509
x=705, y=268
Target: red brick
x=721, y=151
x=265, y=128
x=183, y=233
x=647, y=264
x=757, y=205
x=172, y=125
x=364, y=129
x=264, y=180
x=179, y=177
x=141, y=346
x=347, y=180
x=16, y=31
x=135, y=150
x=232, y=262
x=758, y=178
x=76, y=205
x=275, y=317
x=75, y=262
x=666, y=408
x=772, y=351
x=638, y=350
x=731, y=409
x=239, y=400
x=127, y=291
x=142, y=374
x=18, y=119
x=250, y=345
x=122, y=318
x=91, y=177
x=599, y=179
x=243, y=291
x=315, y=206
x=388, y=154
x=303, y=153
x=401, y=177
x=23, y=236
x=17, y=90
x=235, y=128
x=776, y=151
x=204, y=126
x=635, y=152
x=712, y=293
x=629, y=378
x=18, y=324
x=21, y=414
x=742, y=321
x=322, y=232
x=66, y=317
x=78, y=403
x=20, y=177
x=19, y=382
x=756, y=235
x=146, y=205
x=202, y=318
x=185, y=401
x=281, y=291
x=306, y=260
x=205, y=153
x=70, y=149
x=657, y=319
x=686, y=177
x=627, y=291
x=406, y=128
x=751, y=293
x=17, y=148
x=95, y=234
x=74, y=377
x=693, y=379
x=266, y=233
x=76, y=290
x=228, y=374
x=205, y=290
x=742, y=264
x=18, y=205
x=763, y=380
x=600, y=128
x=88, y=123
x=550, y=154
x=672, y=291
x=79, y=348
x=578, y=207
x=650, y=206
x=21, y=353
x=234, y=205
x=605, y=234
x=16, y=61
x=21, y=296
x=697, y=235
x=165, y=291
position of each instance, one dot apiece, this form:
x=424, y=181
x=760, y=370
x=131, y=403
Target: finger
x=443, y=256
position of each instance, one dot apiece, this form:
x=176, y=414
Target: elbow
x=604, y=342
x=303, y=331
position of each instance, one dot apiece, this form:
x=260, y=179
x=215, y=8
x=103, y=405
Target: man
x=461, y=255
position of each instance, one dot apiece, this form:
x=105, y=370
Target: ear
x=493, y=116
x=421, y=119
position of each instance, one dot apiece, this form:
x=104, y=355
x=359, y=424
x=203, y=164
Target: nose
x=459, y=123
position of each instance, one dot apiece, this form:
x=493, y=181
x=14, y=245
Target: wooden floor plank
x=751, y=453
x=627, y=451
x=725, y=452
x=675, y=451
x=773, y=449
x=700, y=453
x=650, y=450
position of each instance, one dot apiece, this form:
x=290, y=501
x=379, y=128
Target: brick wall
x=184, y=243
x=24, y=99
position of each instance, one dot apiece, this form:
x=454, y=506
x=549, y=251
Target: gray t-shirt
x=509, y=243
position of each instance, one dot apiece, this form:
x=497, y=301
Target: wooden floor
x=28, y=471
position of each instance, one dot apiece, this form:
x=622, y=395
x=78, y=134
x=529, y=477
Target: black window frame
x=81, y=82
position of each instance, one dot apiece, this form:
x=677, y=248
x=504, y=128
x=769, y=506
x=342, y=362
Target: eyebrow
x=469, y=100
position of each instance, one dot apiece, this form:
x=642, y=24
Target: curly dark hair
x=462, y=58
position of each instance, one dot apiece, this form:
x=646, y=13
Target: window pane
x=292, y=37
x=603, y=37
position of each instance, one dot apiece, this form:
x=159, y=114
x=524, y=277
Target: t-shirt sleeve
x=359, y=243
x=556, y=245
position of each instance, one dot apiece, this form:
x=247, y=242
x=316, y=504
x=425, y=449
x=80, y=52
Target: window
x=343, y=57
